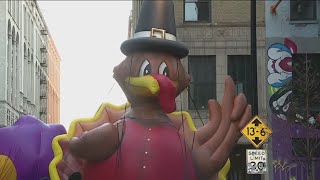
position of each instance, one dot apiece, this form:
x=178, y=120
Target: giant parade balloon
x=147, y=138
x=26, y=149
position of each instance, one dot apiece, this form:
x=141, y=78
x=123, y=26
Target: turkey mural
x=26, y=149
x=146, y=138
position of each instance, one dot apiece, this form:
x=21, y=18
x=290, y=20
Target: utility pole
x=254, y=56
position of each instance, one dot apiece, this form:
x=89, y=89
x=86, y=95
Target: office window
x=305, y=85
x=13, y=9
x=25, y=21
x=12, y=119
x=197, y=10
x=303, y=10
x=8, y=117
x=31, y=33
x=203, y=81
x=240, y=69
x=18, y=13
x=9, y=6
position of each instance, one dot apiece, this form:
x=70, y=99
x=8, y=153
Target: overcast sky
x=87, y=35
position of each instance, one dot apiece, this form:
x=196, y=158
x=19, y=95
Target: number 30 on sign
x=257, y=161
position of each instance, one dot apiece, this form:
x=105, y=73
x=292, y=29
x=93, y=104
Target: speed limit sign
x=257, y=161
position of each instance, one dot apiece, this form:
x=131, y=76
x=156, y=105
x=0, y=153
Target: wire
x=194, y=104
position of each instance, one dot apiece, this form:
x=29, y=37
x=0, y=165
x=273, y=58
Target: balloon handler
x=145, y=139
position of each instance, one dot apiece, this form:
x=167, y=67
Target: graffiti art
x=280, y=75
x=280, y=63
x=280, y=102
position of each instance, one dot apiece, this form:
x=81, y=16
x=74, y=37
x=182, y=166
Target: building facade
x=293, y=83
x=53, y=82
x=23, y=61
x=217, y=34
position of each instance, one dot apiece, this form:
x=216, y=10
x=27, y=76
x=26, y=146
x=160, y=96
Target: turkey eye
x=145, y=68
x=163, y=69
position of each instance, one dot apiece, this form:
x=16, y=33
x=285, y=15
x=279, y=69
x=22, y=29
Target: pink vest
x=155, y=153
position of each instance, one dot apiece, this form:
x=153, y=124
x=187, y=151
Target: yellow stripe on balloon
x=58, y=153
x=7, y=168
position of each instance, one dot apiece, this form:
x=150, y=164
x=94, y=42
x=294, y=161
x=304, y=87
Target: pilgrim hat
x=156, y=30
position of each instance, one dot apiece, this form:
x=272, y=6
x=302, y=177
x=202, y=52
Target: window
x=305, y=85
x=18, y=13
x=303, y=10
x=13, y=9
x=25, y=21
x=16, y=10
x=29, y=29
x=197, y=10
x=9, y=6
x=31, y=33
x=12, y=119
x=240, y=69
x=203, y=81
x=306, y=147
x=8, y=117
x=9, y=46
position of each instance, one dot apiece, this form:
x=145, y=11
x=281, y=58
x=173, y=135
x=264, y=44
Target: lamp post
x=254, y=56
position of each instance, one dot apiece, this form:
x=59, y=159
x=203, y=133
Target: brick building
x=53, y=82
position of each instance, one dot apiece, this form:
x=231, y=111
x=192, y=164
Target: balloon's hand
x=69, y=164
x=214, y=141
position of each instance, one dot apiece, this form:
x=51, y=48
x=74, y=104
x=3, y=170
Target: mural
x=280, y=63
x=288, y=120
x=280, y=74
x=280, y=102
x=285, y=163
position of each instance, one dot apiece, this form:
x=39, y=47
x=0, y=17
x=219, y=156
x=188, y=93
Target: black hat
x=156, y=30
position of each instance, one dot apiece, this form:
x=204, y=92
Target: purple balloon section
x=28, y=143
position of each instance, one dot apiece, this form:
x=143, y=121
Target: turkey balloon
x=147, y=138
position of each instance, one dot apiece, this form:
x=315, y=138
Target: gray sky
x=87, y=35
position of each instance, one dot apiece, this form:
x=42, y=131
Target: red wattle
x=167, y=94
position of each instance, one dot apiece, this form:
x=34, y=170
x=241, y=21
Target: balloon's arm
x=65, y=163
x=97, y=144
x=99, y=138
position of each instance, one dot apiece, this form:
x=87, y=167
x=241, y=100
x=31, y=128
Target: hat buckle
x=158, y=33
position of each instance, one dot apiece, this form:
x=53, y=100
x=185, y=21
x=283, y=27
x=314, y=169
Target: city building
x=293, y=83
x=53, y=82
x=130, y=28
x=217, y=34
x=23, y=61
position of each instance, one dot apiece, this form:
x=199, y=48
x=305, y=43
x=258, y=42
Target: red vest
x=155, y=153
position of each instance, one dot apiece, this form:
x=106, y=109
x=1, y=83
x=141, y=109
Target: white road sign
x=257, y=161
